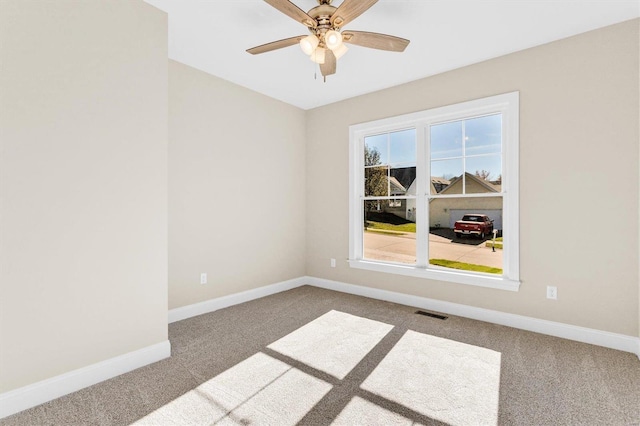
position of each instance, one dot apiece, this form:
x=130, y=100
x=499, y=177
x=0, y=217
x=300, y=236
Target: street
x=402, y=249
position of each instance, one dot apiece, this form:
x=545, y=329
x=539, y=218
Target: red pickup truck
x=473, y=224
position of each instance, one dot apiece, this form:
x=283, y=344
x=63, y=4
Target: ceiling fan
x=325, y=44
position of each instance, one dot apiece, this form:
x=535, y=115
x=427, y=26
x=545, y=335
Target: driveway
x=402, y=248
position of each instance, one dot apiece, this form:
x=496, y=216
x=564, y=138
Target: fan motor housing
x=322, y=15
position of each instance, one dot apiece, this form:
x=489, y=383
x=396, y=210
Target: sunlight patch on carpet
x=259, y=390
x=333, y=343
x=449, y=381
x=362, y=412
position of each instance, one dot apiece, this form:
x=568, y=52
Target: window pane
x=446, y=140
x=447, y=171
x=470, y=248
x=402, y=147
x=484, y=174
x=376, y=181
x=402, y=181
x=439, y=184
x=388, y=235
x=376, y=150
x=483, y=135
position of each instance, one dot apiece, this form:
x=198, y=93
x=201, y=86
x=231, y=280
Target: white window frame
x=505, y=104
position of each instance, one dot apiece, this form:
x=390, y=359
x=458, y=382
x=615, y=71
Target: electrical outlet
x=203, y=278
x=552, y=292
x=333, y=263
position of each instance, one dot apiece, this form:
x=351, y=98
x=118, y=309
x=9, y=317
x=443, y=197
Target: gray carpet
x=282, y=360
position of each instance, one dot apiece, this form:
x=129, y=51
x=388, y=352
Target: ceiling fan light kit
x=340, y=51
x=318, y=55
x=309, y=44
x=325, y=44
x=333, y=39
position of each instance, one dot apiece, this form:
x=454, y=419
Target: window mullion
x=422, y=188
x=464, y=158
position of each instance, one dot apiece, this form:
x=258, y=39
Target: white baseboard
x=38, y=393
x=581, y=334
x=211, y=305
x=35, y=394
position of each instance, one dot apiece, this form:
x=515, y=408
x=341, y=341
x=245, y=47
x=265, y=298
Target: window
x=434, y=194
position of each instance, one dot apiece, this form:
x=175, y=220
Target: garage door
x=495, y=215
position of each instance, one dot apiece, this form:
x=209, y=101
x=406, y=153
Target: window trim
x=508, y=105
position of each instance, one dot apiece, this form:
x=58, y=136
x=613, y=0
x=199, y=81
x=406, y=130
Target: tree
x=375, y=178
x=376, y=182
x=371, y=156
x=483, y=174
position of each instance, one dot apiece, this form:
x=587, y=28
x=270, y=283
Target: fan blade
x=375, y=40
x=293, y=11
x=275, y=45
x=350, y=10
x=329, y=66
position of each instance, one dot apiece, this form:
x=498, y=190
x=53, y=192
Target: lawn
x=465, y=266
x=499, y=244
x=404, y=227
x=384, y=221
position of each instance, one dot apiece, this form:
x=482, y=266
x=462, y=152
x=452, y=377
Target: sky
x=481, y=149
x=397, y=149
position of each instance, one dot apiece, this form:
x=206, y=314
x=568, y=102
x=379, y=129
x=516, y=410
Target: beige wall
x=579, y=133
x=236, y=188
x=258, y=187
x=83, y=193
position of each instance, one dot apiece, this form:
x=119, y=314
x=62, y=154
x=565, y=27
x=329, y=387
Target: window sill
x=479, y=280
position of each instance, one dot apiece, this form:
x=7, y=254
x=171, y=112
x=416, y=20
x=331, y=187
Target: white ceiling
x=212, y=35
